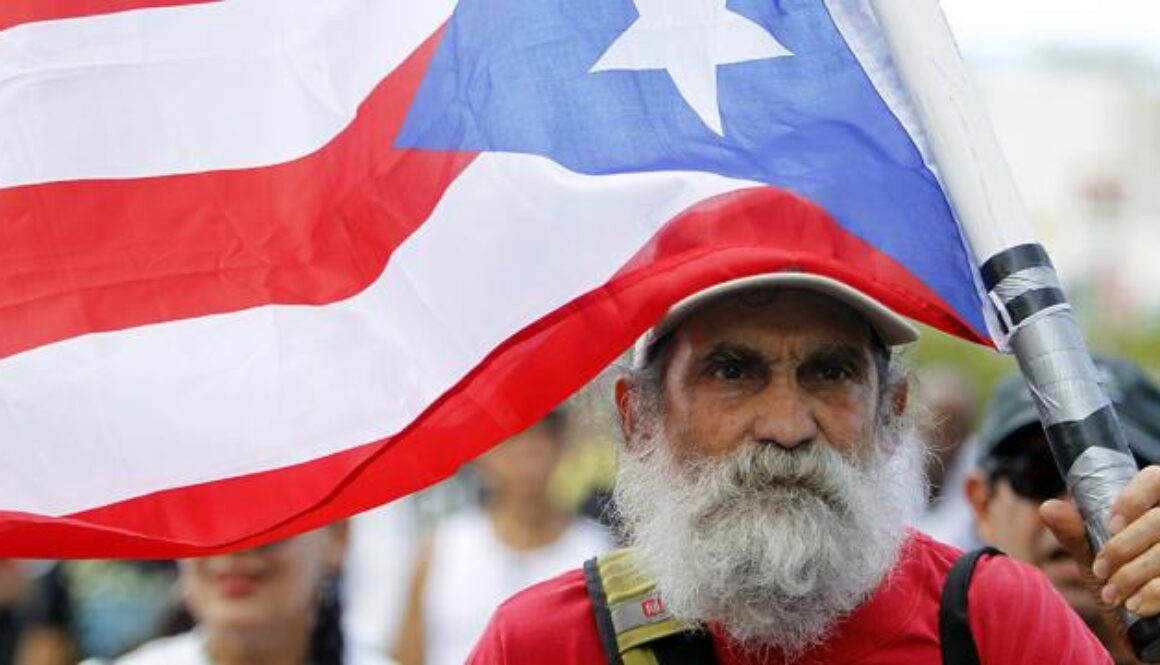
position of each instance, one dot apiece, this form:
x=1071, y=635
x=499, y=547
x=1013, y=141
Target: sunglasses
x=1032, y=476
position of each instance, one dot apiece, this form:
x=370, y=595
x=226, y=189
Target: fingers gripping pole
x=1078, y=417
x=1081, y=425
x=1030, y=314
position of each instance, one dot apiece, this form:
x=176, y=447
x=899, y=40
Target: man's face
x=786, y=368
x=761, y=488
x=1007, y=508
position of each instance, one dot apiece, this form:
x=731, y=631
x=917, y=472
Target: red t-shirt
x=1016, y=617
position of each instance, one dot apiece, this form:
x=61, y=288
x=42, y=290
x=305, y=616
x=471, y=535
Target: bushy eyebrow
x=738, y=351
x=734, y=351
x=838, y=353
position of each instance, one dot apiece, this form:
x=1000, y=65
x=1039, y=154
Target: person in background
x=948, y=397
x=949, y=407
x=1016, y=473
x=15, y=584
x=272, y=605
x=477, y=558
x=377, y=571
x=81, y=609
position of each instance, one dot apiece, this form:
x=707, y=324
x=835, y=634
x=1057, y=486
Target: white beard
x=774, y=545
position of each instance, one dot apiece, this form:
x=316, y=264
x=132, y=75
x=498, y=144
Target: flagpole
x=1030, y=313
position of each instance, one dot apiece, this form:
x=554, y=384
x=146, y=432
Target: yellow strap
x=638, y=614
x=641, y=656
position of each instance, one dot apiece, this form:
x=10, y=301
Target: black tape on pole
x=1145, y=637
x=1090, y=450
x=1012, y=260
x=1023, y=306
x=1069, y=439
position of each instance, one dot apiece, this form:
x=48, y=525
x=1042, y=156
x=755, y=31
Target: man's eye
x=833, y=373
x=732, y=367
x=728, y=371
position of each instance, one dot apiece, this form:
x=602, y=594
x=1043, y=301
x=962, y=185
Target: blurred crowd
x=415, y=582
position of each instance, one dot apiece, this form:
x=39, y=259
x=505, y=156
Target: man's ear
x=978, y=491
x=900, y=395
x=622, y=394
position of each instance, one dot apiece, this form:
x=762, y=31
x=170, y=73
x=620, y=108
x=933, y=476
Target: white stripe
x=185, y=89
x=105, y=417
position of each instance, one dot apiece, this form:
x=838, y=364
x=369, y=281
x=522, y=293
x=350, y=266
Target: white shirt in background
x=472, y=572
x=187, y=649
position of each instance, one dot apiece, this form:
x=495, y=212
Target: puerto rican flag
x=268, y=263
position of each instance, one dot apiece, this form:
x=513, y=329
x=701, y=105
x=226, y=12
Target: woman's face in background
x=264, y=587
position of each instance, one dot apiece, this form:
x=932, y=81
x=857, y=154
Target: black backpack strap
x=954, y=627
x=687, y=648
x=601, y=612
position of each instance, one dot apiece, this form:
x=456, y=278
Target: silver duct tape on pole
x=1079, y=421
x=1030, y=314
x=1099, y=474
x=1081, y=425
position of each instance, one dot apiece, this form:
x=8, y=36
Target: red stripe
x=766, y=229
x=311, y=231
x=15, y=12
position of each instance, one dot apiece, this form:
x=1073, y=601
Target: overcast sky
x=1001, y=28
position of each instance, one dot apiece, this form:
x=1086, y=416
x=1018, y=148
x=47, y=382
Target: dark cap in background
x=1134, y=396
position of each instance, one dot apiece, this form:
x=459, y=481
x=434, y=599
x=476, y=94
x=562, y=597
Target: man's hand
x=1127, y=570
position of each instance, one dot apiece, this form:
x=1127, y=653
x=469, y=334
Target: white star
x=688, y=39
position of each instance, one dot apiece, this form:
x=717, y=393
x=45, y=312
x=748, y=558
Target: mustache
x=764, y=471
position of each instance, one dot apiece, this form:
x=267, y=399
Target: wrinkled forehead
x=776, y=316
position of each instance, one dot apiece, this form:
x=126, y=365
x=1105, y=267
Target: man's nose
x=783, y=416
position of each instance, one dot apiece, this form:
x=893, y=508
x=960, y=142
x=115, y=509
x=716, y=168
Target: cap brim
x=1144, y=446
x=890, y=327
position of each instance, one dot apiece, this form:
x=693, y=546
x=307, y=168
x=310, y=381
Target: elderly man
x=1016, y=473
x=766, y=483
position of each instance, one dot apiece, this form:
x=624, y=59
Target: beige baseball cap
x=891, y=328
